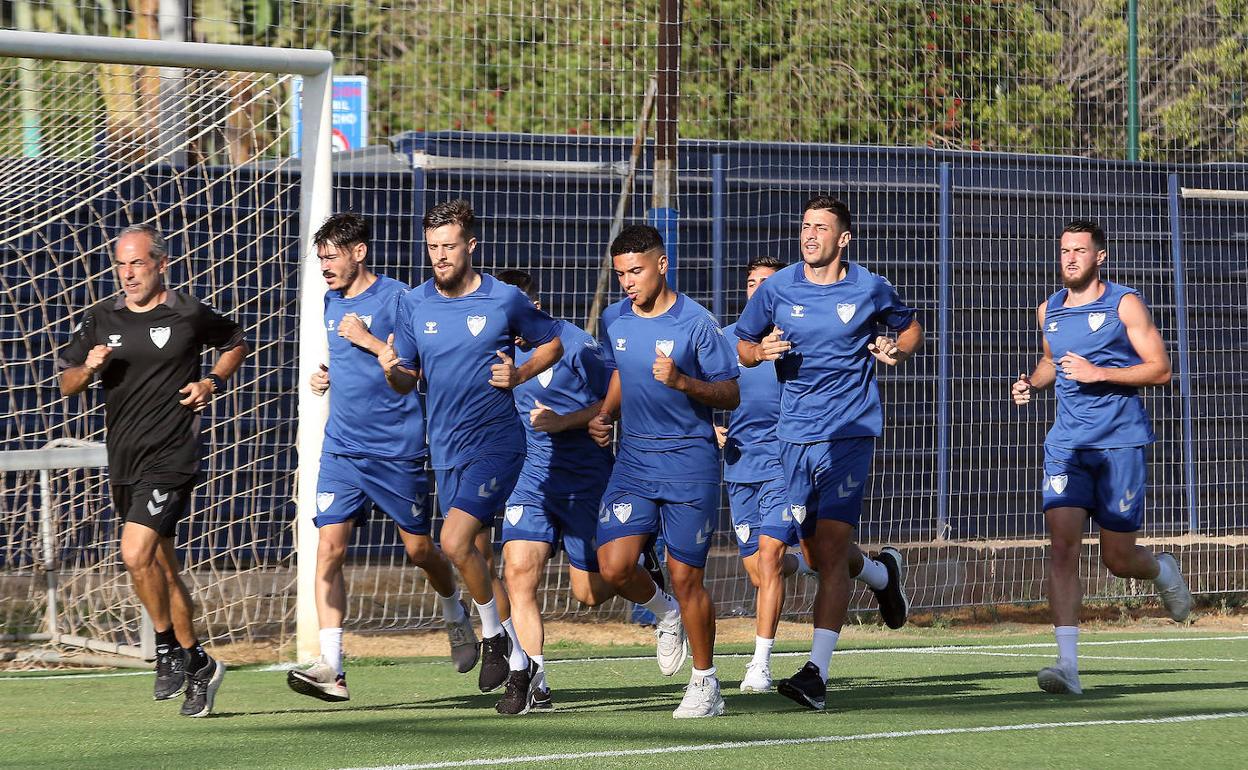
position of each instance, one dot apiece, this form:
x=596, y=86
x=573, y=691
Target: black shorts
x=154, y=504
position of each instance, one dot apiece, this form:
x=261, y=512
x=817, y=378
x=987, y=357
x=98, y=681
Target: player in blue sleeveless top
x=457, y=331
x=672, y=367
x=759, y=502
x=1100, y=347
x=818, y=321
x=556, y=499
x=374, y=453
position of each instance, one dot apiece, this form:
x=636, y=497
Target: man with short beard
x=374, y=454
x=1106, y=348
x=458, y=332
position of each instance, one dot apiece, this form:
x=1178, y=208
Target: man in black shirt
x=145, y=346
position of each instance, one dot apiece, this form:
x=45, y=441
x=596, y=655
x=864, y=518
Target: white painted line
x=726, y=746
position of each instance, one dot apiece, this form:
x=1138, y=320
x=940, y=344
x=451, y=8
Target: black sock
x=196, y=658
x=165, y=641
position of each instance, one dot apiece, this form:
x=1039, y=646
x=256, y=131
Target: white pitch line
x=816, y=739
x=939, y=649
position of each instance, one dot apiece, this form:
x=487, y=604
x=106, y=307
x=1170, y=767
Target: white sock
x=540, y=660
x=662, y=605
x=762, y=650
x=452, y=610
x=802, y=567
x=821, y=649
x=1165, y=574
x=699, y=673
x=331, y=647
x=490, y=626
x=518, y=660
x=1067, y=643
x=873, y=573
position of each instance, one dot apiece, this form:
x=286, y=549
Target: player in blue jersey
x=457, y=331
x=672, y=367
x=818, y=320
x=374, y=453
x=556, y=499
x=761, y=519
x=1100, y=347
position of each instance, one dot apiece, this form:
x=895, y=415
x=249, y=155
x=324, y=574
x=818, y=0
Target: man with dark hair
x=458, y=332
x=145, y=346
x=374, y=454
x=818, y=321
x=672, y=367
x=1099, y=334
x=556, y=499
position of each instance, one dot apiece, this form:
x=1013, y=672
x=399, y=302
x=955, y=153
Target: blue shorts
x=684, y=512
x=828, y=478
x=348, y=487
x=1108, y=483
x=552, y=516
x=760, y=507
x=479, y=486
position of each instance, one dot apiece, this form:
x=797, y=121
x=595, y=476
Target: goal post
x=315, y=203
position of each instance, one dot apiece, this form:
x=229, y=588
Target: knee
x=422, y=552
x=615, y=571
x=1064, y=553
x=686, y=583
x=330, y=557
x=770, y=563
x=1117, y=562
x=521, y=573
x=138, y=559
x=588, y=596
x=458, y=551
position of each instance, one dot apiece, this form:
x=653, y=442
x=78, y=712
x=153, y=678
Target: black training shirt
x=154, y=354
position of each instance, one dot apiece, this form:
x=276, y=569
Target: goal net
x=87, y=148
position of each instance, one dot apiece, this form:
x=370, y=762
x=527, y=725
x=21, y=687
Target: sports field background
x=1156, y=694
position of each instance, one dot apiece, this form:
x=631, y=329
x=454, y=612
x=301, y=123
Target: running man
x=818, y=320
x=374, y=454
x=1100, y=347
x=457, y=331
x=673, y=366
x=145, y=346
x=556, y=500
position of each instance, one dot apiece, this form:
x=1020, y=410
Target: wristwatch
x=218, y=384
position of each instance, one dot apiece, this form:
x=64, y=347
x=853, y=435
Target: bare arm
x=769, y=348
x=600, y=425
x=1154, y=366
x=893, y=352
x=352, y=329
x=199, y=393
x=545, y=420
x=1042, y=376
x=544, y=356
x=400, y=379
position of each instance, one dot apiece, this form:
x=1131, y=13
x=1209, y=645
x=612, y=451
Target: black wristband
x=218, y=384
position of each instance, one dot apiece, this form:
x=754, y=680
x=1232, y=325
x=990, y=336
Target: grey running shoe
x=1175, y=596
x=464, y=650
x=201, y=689
x=1060, y=678
x=319, y=680
x=702, y=699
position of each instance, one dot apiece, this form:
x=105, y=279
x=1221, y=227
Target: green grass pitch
x=1162, y=699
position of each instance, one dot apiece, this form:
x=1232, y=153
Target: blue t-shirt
x=1094, y=415
x=664, y=433
x=570, y=460
x=829, y=375
x=453, y=342
x=366, y=417
x=752, y=452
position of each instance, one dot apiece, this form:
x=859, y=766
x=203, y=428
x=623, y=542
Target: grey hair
x=159, y=248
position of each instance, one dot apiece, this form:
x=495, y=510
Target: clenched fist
x=96, y=357
x=1020, y=391
x=600, y=428
x=503, y=374
x=665, y=370
x=320, y=380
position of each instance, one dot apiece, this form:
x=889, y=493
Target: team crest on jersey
x=1096, y=320
x=1057, y=483
x=324, y=500
x=545, y=377
x=620, y=342
x=367, y=319
x=846, y=311
x=114, y=340
x=665, y=346
x=513, y=513
x=799, y=512
x=159, y=334
x=622, y=511
x=431, y=327
x=743, y=531
x=475, y=324
x=799, y=311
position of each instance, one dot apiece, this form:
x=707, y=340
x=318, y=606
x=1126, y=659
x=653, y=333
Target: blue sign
x=350, y=114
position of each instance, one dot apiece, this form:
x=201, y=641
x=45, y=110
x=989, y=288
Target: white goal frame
x=316, y=193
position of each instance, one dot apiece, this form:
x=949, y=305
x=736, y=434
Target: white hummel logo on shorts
x=1124, y=504
x=513, y=513
x=159, y=335
x=157, y=497
x=847, y=489
x=846, y=311
x=622, y=511
x=475, y=324
x=1096, y=320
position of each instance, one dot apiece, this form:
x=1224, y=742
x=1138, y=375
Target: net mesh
x=1024, y=101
